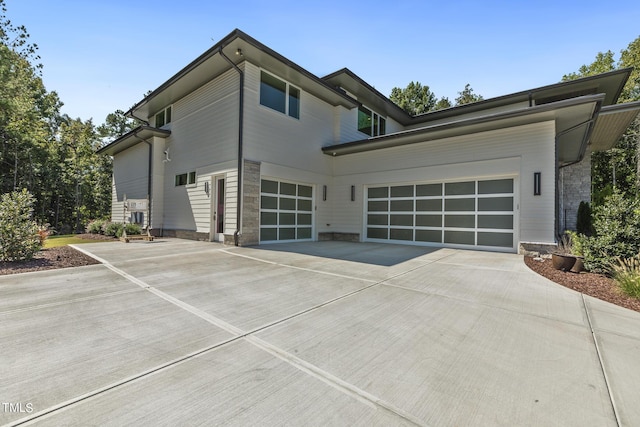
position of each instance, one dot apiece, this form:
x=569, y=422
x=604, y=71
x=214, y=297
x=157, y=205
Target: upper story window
x=163, y=117
x=279, y=95
x=370, y=122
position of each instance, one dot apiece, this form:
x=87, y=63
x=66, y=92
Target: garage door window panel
x=460, y=205
x=495, y=204
x=503, y=222
x=504, y=240
x=459, y=188
x=459, y=237
x=285, y=211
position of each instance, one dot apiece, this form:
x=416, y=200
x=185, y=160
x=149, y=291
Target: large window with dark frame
x=279, y=95
x=370, y=122
x=163, y=117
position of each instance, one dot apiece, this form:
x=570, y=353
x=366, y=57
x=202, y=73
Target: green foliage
x=616, y=226
x=414, y=99
x=113, y=229
x=19, y=238
x=467, y=96
x=583, y=223
x=626, y=273
x=618, y=168
x=133, y=229
x=96, y=226
x=577, y=242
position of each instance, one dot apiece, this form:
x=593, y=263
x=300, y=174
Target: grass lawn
x=64, y=240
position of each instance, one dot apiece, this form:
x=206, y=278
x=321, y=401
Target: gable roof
x=237, y=46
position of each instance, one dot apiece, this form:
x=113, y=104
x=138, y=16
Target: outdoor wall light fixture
x=324, y=193
x=353, y=193
x=206, y=187
x=537, y=187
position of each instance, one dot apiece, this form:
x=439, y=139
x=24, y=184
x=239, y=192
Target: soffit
x=572, y=117
x=612, y=122
x=211, y=64
x=128, y=140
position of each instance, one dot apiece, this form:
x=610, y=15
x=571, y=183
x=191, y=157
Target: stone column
x=250, y=204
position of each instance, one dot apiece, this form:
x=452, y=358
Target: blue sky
x=104, y=55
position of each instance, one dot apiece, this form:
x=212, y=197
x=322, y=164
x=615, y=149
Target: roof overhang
x=367, y=94
x=573, y=119
x=612, y=122
x=238, y=47
x=129, y=139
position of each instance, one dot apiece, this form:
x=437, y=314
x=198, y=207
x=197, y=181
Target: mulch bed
x=595, y=285
x=53, y=258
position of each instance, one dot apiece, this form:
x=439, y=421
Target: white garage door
x=286, y=211
x=478, y=213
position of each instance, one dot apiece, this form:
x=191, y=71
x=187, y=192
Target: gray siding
x=518, y=151
x=204, y=133
x=273, y=137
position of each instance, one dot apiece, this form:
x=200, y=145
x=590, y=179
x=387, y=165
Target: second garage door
x=473, y=213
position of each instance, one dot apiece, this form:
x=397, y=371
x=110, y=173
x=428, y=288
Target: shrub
x=583, y=225
x=626, y=273
x=577, y=242
x=96, y=226
x=43, y=233
x=19, y=238
x=133, y=228
x=616, y=226
x=113, y=229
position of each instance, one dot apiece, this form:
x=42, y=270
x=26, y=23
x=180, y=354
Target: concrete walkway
x=176, y=332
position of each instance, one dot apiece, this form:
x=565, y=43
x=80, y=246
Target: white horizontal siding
x=520, y=150
x=273, y=137
x=130, y=172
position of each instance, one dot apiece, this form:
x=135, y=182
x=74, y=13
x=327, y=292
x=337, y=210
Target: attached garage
x=286, y=211
x=471, y=213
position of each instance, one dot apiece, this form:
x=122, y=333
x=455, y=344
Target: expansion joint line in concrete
x=248, y=336
x=601, y=361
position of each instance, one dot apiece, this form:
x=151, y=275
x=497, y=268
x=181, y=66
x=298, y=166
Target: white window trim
x=374, y=115
x=164, y=110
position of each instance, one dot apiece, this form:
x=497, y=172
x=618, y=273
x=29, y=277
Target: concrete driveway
x=176, y=332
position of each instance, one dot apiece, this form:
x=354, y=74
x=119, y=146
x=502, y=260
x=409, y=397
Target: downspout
x=240, y=159
x=583, y=149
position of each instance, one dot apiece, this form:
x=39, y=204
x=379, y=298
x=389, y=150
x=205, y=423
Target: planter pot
x=579, y=265
x=563, y=262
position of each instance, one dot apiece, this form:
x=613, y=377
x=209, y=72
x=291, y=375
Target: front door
x=217, y=223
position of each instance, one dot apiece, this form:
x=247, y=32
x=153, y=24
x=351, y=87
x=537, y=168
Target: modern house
x=246, y=147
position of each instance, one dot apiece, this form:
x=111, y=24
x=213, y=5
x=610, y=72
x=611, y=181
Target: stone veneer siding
x=250, y=206
x=575, y=187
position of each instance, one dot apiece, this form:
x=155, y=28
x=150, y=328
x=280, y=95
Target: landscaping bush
x=113, y=229
x=583, y=225
x=626, y=273
x=19, y=238
x=133, y=229
x=96, y=226
x=616, y=226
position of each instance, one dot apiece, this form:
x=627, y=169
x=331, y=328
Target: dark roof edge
x=616, y=108
x=470, y=122
x=372, y=89
x=479, y=105
x=218, y=47
x=133, y=132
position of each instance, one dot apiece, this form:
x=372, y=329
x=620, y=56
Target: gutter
x=236, y=234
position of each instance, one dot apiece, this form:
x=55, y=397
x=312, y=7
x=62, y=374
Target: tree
x=618, y=168
x=442, y=104
x=115, y=125
x=414, y=99
x=467, y=96
x=19, y=238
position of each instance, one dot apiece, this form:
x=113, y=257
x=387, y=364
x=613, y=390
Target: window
x=163, y=117
x=279, y=95
x=371, y=123
x=185, y=179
